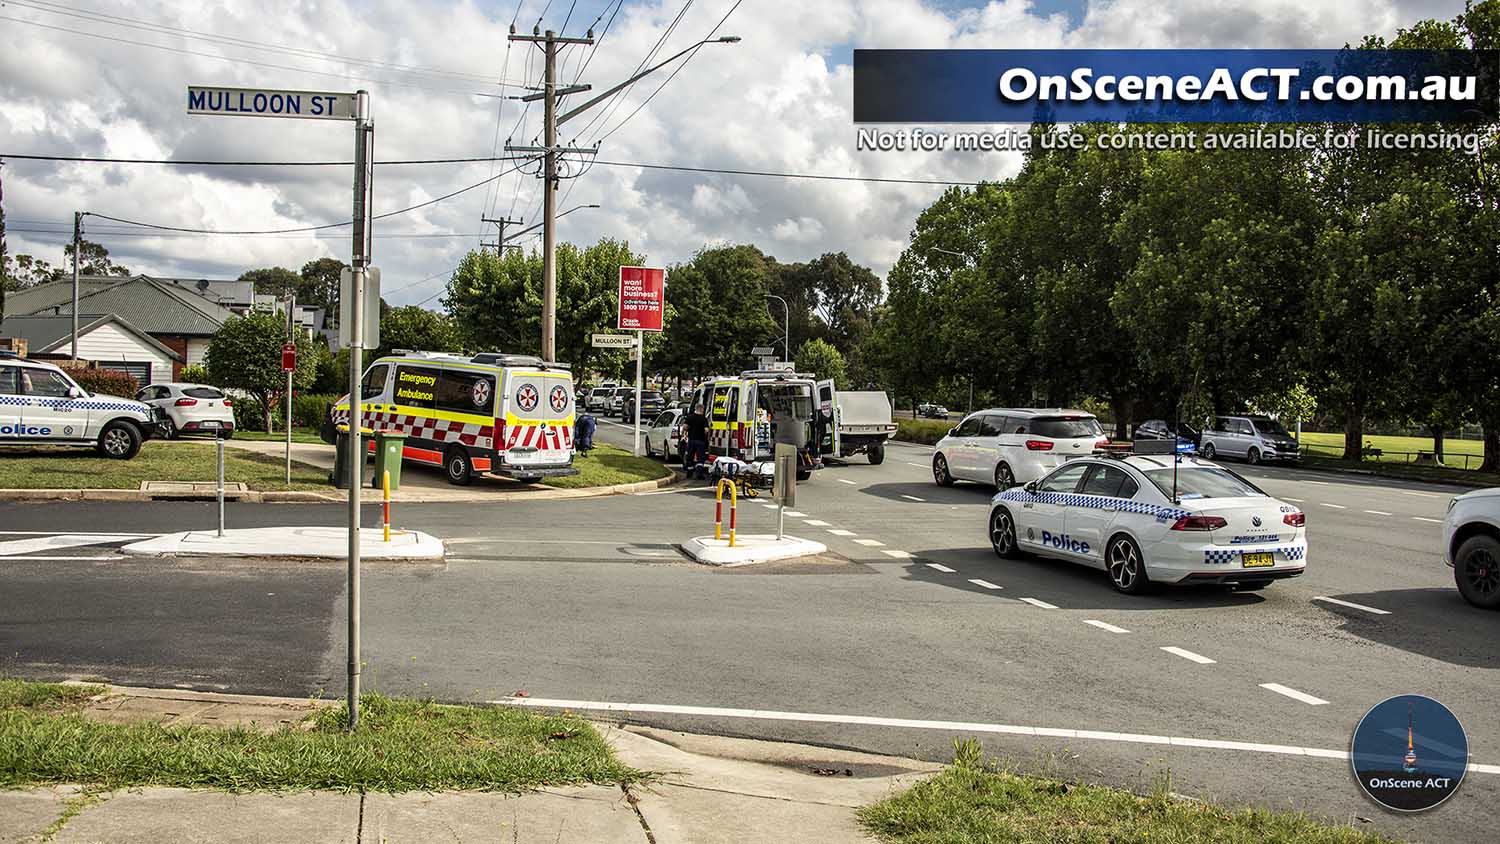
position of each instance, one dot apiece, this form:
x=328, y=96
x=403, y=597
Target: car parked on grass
x=190, y=409
x=1143, y=520
x=1254, y=438
x=664, y=437
x=1471, y=545
x=40, y=404
x=1009, y=446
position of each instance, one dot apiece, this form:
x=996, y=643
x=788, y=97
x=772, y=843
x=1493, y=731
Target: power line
x=480, y=160
x=253, y=62
x=157, y=27
x=609, y=110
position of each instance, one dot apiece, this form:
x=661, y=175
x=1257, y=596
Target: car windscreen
x=1064, y=427
x=1201, y=482
x=203, y=393
x=1270, y=426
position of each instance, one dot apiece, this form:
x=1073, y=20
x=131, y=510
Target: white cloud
x=779, y=101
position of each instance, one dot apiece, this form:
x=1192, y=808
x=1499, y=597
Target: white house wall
x=197, y=347
x=108, y=344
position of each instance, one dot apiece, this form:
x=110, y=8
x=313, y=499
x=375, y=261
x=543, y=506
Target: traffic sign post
x=322, y=105
x=643, y=293
x=289, y=365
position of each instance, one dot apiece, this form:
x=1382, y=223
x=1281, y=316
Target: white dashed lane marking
x=872, y=543
x=1420, y=494
x=985, y=583
x=912, y=497
x=815, y=522
x=942, y=568
x=900, y=555
x=847, y=481
x=1425, y=519
x=794, y=514
x=1189, y=655
x=1298, y=500
x=1104, y=625
x=1293, y=694
x=1379, y=513
x=842, y=532
x=1038, y=603
x=1350, y=604
x=1334, y=506
x=918, y=465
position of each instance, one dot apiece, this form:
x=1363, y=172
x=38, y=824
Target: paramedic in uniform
x=695, y=424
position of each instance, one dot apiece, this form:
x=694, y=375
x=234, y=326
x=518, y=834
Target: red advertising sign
x=289, y=357
x=643, y=293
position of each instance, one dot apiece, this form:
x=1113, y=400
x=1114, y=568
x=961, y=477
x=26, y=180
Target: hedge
x=107, y=381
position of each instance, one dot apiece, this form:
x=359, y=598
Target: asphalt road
x=909, y=633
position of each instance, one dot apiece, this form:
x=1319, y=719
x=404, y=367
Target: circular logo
x=481, y=392
x=527, y=397
x=1409, y=753
x=559, y=399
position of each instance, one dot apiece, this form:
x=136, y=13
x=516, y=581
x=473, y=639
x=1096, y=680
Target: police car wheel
x=460, y=469
x=1003, y=534
x=1208, y=451
x=1476, y=570
x=1253, y=456
x=119, y=440
x=1127, y=568
x=1004, y=477
x=940, y=472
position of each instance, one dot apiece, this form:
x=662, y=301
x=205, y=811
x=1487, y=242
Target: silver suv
x=1256, y=439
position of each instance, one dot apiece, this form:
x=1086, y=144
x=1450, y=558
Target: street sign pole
x=364, y=136
x=291, y=339
x=640, y=352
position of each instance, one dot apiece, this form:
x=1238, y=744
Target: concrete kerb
x=532, y=493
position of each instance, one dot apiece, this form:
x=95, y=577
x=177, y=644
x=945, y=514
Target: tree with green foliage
x=718, y=303
x=245, y=354
x=416, y=328
x=320, y=286
x=820, y=358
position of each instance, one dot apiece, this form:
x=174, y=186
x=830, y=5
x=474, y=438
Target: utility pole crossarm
x=564, y=118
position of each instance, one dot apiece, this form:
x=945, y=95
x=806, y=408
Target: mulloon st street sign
x=267, y=102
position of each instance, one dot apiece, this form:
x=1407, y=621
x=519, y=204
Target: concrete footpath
x=708, y=790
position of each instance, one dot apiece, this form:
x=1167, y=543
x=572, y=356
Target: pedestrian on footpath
x=696, y=426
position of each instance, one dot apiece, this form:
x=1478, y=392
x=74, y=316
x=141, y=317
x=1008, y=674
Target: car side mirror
x=1031, y=487
x=952, y=432
x=77, y=393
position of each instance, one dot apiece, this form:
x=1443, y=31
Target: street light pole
x=786, y=325
x=550, y=151
x=77, y=252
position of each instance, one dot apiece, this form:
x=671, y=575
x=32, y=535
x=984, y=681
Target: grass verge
x=299, y=435
x=1458, y=454
x=1431, y=474
x=923, y=431
x=606, y=465
x=73, y=468
x=401, y=745
x=973, y=802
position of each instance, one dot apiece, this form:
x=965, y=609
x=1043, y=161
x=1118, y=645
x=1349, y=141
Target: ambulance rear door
x=560, y=415
x=534, y=435
x=828, y=405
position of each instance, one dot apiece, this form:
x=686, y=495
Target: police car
x=41, y=405
x=1153, y=518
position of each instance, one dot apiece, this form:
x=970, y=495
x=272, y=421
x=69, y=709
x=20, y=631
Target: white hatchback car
x=663, y=436
x=1119, y=514
x=1009, y=446
x=191, y=409
x=1471, y=545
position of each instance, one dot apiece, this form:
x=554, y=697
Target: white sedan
x=663, y=432
x=191, y=409
x=1120, y=514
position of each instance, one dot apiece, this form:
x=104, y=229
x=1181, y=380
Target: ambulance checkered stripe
x=1293, y=553
x=71, y=404
x=1073, y=499
x=542, y=435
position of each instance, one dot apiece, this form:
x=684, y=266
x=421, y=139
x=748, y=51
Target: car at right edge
x=1126, y=515
x=1471, y=545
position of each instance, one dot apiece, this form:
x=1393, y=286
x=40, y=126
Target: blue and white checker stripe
x=74, y=404
x=1293, y=553
x=1099, y=502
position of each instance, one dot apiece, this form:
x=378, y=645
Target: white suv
x=41, y=405
x=1010, y=446
x=1471, y=545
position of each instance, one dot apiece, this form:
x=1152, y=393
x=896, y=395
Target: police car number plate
x=1251, y=561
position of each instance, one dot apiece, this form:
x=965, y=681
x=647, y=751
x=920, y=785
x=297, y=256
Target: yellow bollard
x=385, y=507
x=719, y=508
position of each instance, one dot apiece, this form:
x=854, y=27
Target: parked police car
x=41, y=405
x=1144, y=521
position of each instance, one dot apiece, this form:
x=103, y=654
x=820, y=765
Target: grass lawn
x=924, y=431
x=972, y=802
x=607, y=465
x=299, y=435
x=1454, y=450
x=401, y=745
x=74, y=468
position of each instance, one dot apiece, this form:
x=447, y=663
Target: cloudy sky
x=107, y=78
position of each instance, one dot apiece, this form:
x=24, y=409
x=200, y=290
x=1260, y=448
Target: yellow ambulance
x=508, y=415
